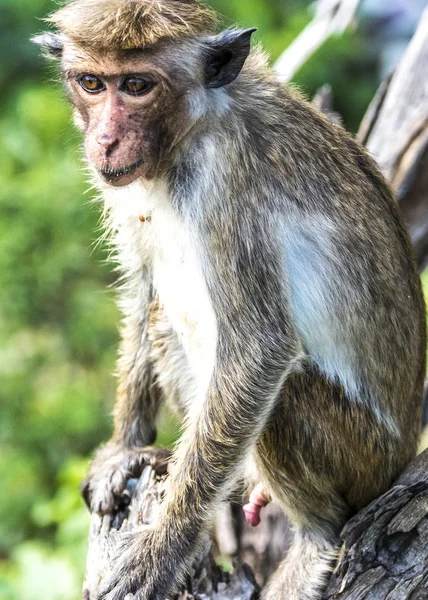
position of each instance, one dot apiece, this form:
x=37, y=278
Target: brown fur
x=129, y=24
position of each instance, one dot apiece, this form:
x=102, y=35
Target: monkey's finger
x=119, y=480
x=118, y=592
x=159, y=459
x=126, y=577
x=113, y=590
x=103, y=499
x=97, y=501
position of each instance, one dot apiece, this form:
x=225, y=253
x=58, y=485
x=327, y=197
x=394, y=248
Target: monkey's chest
x=183, y=294
x=149, y=231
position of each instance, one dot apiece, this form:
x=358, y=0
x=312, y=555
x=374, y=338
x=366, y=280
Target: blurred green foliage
x=58, y=320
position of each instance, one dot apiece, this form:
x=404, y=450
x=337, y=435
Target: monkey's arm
x=138, y=396
x=138, y=399
x=255, y=351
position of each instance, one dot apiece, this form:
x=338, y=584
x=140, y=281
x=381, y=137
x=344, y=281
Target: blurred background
x=58, y=320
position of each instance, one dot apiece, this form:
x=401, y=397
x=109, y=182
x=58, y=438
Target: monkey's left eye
x=136, y=86
x=91, y=84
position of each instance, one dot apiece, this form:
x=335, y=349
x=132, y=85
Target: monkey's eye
x=136, y=86
x=91, y=84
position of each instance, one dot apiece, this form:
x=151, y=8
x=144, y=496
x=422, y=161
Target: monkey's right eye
x=91, y=84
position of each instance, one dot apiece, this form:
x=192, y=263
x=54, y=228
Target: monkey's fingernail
x=130, y=488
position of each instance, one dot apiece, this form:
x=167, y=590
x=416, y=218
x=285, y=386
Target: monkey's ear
x=225, y=56
x=50, y=43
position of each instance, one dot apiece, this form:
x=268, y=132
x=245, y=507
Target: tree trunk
x=384, y=546
x=385, y=549
x=140, y=502
x=395, y=131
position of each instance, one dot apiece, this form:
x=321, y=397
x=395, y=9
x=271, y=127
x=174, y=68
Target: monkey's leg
x=322, y=457
x=316, y=522
x=224, y=427
x=303, y=574
x=138, y=400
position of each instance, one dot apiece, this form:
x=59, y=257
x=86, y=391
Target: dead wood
x=385, y=551
x=138, y=509
x=384, y=546
x=332, y=17
x=395, y=131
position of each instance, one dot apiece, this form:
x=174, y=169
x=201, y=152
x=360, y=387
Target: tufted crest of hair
x=127, y=24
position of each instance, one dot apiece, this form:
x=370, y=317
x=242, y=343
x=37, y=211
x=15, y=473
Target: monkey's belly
x=183, y=296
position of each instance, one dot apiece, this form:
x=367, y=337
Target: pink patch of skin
x=258, y=499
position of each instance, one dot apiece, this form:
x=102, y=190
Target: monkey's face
x=136, y=106
x=130, y=110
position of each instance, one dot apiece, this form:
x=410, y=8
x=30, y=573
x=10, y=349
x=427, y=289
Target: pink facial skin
x=258, y=499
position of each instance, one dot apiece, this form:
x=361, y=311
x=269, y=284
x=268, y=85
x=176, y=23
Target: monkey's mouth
x=115, y=174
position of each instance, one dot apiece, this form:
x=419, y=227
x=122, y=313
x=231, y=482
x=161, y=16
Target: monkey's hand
x=110, y=470
x=145, y=568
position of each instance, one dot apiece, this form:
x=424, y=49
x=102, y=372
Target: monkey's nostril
x=111, y=147
x=109, y=142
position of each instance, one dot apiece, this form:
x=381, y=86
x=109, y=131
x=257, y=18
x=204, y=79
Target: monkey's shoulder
x=284, y=138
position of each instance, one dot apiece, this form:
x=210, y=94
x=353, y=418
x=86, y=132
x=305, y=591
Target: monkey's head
x=140, y=75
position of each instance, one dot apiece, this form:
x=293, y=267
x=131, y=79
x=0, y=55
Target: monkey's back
x=354, y=414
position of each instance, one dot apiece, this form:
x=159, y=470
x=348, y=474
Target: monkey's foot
x=110, y=471
x=143, y=568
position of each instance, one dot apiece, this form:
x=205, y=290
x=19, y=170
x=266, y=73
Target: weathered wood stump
x=138, y=509
x=395, y=131
x=384, y=553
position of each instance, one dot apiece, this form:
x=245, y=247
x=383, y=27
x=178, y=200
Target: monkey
x=268, y=289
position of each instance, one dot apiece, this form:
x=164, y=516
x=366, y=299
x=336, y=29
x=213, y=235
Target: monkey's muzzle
x=114, y=175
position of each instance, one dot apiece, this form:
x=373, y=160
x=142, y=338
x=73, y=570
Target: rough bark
x=395, y=131
x=262, y=547
x=385, y=551
x=384, y=546
x=138, y=509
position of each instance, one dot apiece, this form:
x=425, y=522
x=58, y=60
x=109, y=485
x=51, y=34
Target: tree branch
x=385, y=546
x=332, y=17
x=395, y=131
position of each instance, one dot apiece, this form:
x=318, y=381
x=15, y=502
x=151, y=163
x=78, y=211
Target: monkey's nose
x=108, y=142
